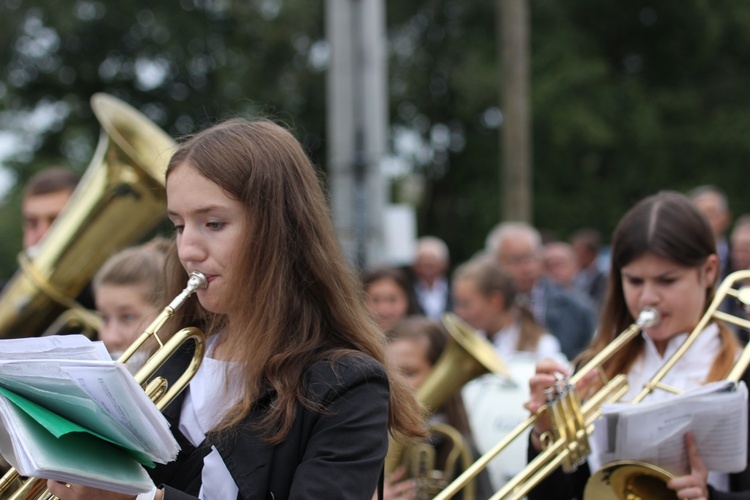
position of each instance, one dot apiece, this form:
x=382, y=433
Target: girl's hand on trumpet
x=547, y=373
x=692, y=486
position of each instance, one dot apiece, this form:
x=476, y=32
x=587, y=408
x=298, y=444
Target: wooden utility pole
x=515, y=131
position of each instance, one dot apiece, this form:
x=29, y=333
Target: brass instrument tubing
x=646, y=318
x=557, y=452
x=707, y=317
x=44, y=285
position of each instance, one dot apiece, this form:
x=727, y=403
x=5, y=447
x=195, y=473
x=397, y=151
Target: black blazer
x=338, y=453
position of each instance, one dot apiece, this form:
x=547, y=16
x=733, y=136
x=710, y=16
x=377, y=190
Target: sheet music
x=71, y=413
x=716, y=415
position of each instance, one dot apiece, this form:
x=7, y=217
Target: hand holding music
x=693, y=485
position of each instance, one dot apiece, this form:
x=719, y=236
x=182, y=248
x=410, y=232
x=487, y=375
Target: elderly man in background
x=713, y=203
x=517, y=248
x=429, y=276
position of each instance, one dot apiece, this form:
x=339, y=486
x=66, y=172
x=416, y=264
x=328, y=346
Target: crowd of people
x=545, y=304
x=308, y=404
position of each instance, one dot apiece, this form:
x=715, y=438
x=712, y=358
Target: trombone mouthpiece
x=197, y=280
x=649, y=316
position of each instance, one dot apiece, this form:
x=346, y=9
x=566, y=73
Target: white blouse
x=205, y=403
x=506, y=340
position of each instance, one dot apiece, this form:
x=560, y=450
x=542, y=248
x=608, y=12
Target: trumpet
x=573, y=421
x=157, y=388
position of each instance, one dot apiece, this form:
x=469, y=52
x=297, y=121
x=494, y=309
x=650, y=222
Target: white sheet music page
x=716, y=414
x=65, y=406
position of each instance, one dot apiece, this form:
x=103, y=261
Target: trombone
x=573, y=422
x=157, y=388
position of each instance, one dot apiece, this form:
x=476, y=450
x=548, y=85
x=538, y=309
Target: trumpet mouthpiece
x=197, y=280
x=649, y=316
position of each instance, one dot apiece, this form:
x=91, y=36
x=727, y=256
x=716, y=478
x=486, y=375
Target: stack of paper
x=716, y=414
x=72, y=414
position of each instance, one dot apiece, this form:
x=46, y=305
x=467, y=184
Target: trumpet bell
x=629, y=480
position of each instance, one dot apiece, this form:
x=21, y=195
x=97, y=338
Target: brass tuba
x=573, y=421
x=119, y=200
x=465, y=357
x=158, y=389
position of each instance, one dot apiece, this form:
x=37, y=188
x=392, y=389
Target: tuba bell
x=119, y=200
x=465, y=357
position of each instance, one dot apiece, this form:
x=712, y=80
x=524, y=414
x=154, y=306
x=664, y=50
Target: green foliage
x=184, y=64
x=627, y=98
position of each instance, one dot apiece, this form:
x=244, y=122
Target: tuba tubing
x=158, y=389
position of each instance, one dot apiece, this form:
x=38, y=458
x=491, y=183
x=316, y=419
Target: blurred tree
x=627, y=98
x=184, y=64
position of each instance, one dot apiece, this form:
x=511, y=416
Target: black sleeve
x=559, y=485
x=714, y=494
x=346, y=447
x=173, y=494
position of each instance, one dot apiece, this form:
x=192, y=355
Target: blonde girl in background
x=128, y=291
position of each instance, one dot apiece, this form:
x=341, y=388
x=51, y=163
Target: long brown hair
x=668, y=225
x=297, y=301
x=489, y=278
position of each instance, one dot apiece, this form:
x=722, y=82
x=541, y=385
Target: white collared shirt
x=433, y=299
x=205, y=404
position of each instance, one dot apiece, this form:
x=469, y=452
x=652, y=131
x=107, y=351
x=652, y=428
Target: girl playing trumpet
x=663, y=256
x=291, y=400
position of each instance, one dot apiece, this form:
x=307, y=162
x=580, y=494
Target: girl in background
x=128, y=291
x=485, y=297
x=390, y=298
x=414, y=346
